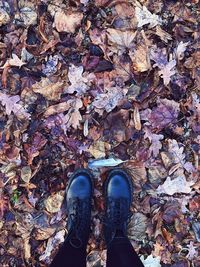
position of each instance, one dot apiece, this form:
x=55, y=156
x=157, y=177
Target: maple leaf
x=178, y=185
x=73, y=117
x=154, y=139
x=67, y=22
x=50, y=90
x=15, y=61
x=159, y=56
x=11, y=105
x=79, y=83
x=168, y=71
x=165, y=113
x=121, y=38
x=192, y=252
x=33, y=149
x=177, y=156
x=151, y=261
x=108, y=100
x=144, y=17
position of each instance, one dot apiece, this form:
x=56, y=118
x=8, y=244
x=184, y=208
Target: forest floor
x=100, y=84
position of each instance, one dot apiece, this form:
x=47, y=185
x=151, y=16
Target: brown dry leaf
x=55, y=109
x=15, y=61
x=26, y=174
x=50, y=90
x=44, y=233
x=4, y=17
x=140, y=58
x=137, y=171
x=53, y=203
x=73, y=117
x=120, y=38
x=137, y=226
x=164, y=36
x=66, y=22
x=97, y=150
x=136, y=119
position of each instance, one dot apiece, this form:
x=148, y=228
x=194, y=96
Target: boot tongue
x=76, y=242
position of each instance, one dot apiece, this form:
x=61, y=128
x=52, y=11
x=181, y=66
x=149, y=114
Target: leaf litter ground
x=100, y=84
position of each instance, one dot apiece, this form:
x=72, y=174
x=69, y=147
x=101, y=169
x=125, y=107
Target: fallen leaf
x=33, y=149
x=166, y=112
x=120, y=38
x=11, y=105
x=66, y=22
x=53, y=203
x=140, y=58
x=180, y=50
x=154, y=139
x=108, y=100
x=44, y=233
x=151, y=261
x=196, y=229
x=168, y=71
x=144, y=17
x=27, y=16
x=51, y=244
x=137, y=171
x=79, y=83
x=26, y=174
x=192, y=252
x=178, y=185
x=97, y=150
x=73, y=117
x=15, y=61
x=55, y=109
x=137, y=226
x=50, y=90
x=136, y=119
x=99, y=163
x=4, y=17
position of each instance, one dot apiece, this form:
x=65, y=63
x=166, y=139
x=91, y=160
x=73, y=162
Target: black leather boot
x=78, y=198
x=118, y=191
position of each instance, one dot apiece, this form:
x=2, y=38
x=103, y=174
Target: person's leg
x=118, y=191
x=68, y=256
x=78, y=200
x=120, y=253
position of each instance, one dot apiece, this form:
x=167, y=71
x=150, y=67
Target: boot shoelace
x=80, y=210
x=117, y=213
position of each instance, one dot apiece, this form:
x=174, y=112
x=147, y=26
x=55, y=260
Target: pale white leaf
x=151, y=261
x=177, y=185
x=111, y=162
